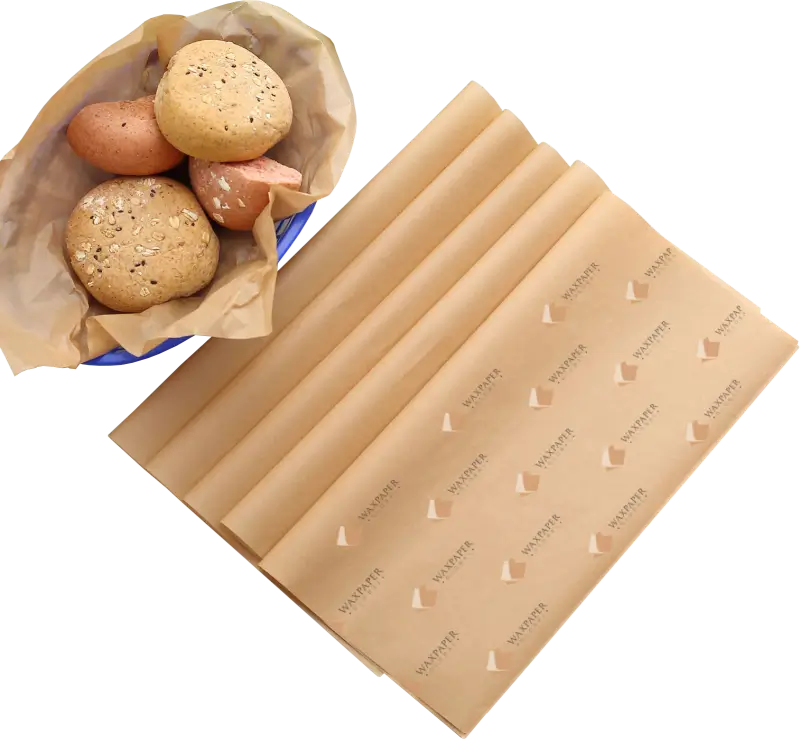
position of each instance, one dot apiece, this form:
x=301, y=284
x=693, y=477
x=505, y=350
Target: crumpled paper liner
x=46, y=316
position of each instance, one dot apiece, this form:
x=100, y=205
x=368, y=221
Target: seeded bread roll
x=137, y=242
x=218, y=101
x=122, y=138
x=234, y=194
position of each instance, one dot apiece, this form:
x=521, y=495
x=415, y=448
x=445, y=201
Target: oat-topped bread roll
x=235, y=193
x=218, y=101
x=137, y=242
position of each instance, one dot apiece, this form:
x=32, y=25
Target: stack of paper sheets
x=487, y=375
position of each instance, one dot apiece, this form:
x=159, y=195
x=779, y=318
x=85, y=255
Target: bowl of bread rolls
x=189, y=160
x=154, y=195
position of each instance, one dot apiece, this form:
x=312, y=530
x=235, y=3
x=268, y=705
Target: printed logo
x=529, y=623
x=349, y=536
x=613, y=458
x=423, y=599
x=664, y=260
x=697, y=433
x=556, y=449
x=454, y=563
x=707, y=350
x=723, y=400
x=482, y=390
x=581, y=282
x=733, y=319
x=540, y=398
x=637, y=291
x=569, y=364
x=439, y=510
x=469, y=475
x=512, y=571
x=542, y=536
x=651, y=341
x=600, y=544
x=625, y=374
x=380, y=501
x=527, y=483
x=439, y=653
x=450, y=423
x=622, y=516
x=499, y=661
x=357, y=598
x=553, y=314
x=643, y=421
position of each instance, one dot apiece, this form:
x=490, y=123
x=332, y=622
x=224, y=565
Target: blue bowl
x=287, y=232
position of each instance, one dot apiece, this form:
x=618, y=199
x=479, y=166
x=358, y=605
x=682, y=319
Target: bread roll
x=218, y=101
x=137, y=242
x=234, y=194
x=122, y=138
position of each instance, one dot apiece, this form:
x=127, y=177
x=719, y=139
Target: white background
x=122, y=615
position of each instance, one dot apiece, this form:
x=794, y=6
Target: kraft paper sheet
x=463, y=422
x=46, y=316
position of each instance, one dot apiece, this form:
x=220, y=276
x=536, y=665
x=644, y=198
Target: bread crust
x=122, y=138
x=234, y=194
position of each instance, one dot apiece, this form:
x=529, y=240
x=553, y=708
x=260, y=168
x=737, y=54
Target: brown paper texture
x=46, y=317
x=469, y=436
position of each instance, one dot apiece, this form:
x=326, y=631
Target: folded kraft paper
x=487, y=375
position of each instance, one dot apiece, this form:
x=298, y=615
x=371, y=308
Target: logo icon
x=527, y=483
x=349, y=536
x=613, y=457
x=554, y=313
x=423, y=599
x=512, y=571
x=625, y=374
x=450, y=424
x=637, y=291
x=439, y=510
x=697, y=433
x=499, y=661
x=708, y=350
x=600, y=544
x=540, y=398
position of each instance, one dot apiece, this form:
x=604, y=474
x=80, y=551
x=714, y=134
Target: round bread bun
x=122, y=138
x=218, y=101
x=235, y=193
x=138, y=242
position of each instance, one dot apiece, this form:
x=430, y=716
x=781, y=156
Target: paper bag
x=46, y=317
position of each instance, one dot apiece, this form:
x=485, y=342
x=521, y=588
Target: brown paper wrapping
x=46, y=317
x=300, y=410
x=472, y=434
